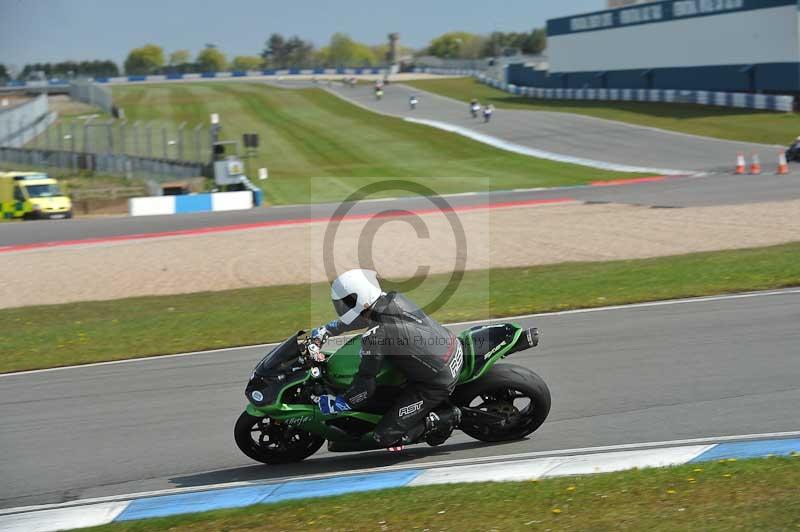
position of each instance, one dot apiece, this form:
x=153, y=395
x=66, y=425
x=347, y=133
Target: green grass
x=734, y=124
x=309, y=133
x=77, y=333
x=758, y=494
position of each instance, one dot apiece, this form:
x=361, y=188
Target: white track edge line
x=646, y=304
x=711, y=440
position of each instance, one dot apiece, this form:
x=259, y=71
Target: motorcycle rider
x=428, y=354
x=412, y=101
x=474, y=107
x=488, y=109
x=793, y=153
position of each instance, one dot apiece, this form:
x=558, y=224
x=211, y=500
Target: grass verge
x=758, y=494
x=719, y=122
x=309, y=134
x=78, y=333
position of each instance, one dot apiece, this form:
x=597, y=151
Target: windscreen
x=275, y=359
x=43, y=191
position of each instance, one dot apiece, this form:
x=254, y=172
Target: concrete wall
x=21, y=123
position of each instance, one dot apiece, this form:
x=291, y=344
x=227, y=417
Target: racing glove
x=320, y=334
x=318, y=337
x=332, y=404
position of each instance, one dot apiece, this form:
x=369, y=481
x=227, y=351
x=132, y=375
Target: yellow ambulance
x=32, y=195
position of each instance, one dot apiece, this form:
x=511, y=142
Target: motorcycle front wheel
x=507, y=392
x=271, y=443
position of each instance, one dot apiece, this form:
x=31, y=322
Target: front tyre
x=513, y=394
x=263, y=440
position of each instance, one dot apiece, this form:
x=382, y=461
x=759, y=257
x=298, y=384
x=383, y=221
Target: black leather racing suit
x=428, y=354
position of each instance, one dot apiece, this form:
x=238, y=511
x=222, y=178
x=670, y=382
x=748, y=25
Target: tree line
x=281, y=52
x=69, y=69
x=463, y=45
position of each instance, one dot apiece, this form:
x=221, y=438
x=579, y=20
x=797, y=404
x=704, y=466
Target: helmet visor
x=346, y=308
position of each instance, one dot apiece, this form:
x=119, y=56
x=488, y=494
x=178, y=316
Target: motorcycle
x=412, y=103
x=379, y=94
x=282, y=422
x=487, y=114
x=793, y=153
x=474, y=110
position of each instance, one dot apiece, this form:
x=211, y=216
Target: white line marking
x=425, y=466
x=587, y=117
x=541, y=154
x=667, y=302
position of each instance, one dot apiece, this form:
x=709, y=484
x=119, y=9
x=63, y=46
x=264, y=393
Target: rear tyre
x=270, y=443
x=514, y=392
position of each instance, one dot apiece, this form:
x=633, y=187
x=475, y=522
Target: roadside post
x=250, y=142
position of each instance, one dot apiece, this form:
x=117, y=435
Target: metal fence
x=152, y=170
x=89, y=92
x=152, y=140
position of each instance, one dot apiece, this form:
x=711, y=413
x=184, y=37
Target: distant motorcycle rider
x=488, y=109
x=793, y=153
x=428, y=354
x=474, y=107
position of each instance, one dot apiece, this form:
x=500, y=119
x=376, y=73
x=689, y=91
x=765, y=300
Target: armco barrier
x=767, y=102
x=214, y=202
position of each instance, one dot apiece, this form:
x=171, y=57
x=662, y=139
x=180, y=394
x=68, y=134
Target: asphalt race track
x=713, y=367
x=561, y=133
x=670, y=192
x=568, y=134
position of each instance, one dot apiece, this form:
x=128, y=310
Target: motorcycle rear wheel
x=272, y=443
x=515, y=392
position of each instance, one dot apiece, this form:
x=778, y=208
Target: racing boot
x=440, y=423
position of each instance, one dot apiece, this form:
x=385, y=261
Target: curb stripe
x=750, y=449
x=278, y=223
x=617, y=182
x=45, y=520
x=270, y=493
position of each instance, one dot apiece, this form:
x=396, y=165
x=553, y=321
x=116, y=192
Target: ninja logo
x=410, y=409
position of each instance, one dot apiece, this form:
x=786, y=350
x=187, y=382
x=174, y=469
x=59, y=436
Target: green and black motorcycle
x=282, y=422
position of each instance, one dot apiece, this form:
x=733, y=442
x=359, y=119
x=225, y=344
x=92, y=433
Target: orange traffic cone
x=755, y=166
x=783, y=166
x=740, y=164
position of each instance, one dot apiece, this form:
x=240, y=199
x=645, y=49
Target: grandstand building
x=717, y=45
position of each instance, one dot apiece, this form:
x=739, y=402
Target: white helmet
x=353, y=292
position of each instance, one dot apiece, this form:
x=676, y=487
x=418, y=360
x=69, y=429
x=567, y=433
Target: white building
x=726, y=45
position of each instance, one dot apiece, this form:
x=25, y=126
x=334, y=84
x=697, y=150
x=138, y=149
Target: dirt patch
x=287, y=255
x=65, y=106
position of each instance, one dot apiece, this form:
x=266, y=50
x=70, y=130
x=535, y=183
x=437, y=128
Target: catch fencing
x=152, y=170
x=152, y=140
x=32, y=136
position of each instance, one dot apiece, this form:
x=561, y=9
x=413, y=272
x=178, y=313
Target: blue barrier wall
x=771, y=77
